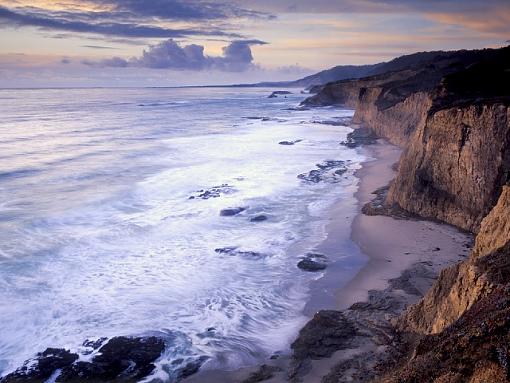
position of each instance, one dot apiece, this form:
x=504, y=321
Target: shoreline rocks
x=123, y=359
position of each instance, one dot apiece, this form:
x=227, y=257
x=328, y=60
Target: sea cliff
x=452, y=120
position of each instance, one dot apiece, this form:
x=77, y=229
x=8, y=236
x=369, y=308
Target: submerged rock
x=231, y=211
x=277, y=93
x=258, y=218
x=289, y=142
x=233, y=251
x=213, y=192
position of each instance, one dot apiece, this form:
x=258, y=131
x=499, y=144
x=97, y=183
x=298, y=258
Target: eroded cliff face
x=462, y=285
x=395, y=123
x=463, y=323
x=455, y=164
x=453, y=121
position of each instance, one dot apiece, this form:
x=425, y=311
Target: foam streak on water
x=98, y=235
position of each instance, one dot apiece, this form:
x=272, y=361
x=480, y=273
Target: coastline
x=403, y=259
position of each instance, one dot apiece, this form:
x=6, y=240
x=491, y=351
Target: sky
x=87, y=43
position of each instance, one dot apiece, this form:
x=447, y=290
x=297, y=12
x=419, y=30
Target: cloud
x=97, y=47
x=491, y=21
x=183, y=9
x=104, y=23
x=237, y=57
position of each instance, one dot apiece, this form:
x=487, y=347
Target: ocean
x=111, y=218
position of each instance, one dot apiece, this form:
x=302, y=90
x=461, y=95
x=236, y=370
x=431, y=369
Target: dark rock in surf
x=289, y=142
x=225, y=250
x=213, y=192
x=313, y=262
x=191, y=368
x=40, y=368
x=231, y=211
x=328, y=171
x=258, y=218
x=337, y=121
x=122, y=358
x=233, y=251
x=277, y=93
x=311, y=265
x=92, y=345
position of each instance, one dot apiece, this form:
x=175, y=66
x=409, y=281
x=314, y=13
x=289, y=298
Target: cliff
x=456, y=162
x=460, y=286
x=451, y=116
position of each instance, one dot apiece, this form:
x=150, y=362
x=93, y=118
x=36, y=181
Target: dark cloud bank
x=237, y=57
x=135, y=18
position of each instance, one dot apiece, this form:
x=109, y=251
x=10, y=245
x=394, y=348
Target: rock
x=92, y=345
x=277, y=93
x=288, y=143
x=255, y=117
x=229, y=212
x=328, y=171
x=460, y=286
x=309, y=265
x=233, y=251
x=225, y=250
x=258, y=218
x=265, y=372
x=360, y=136
x=313, y=262
x=338, y=121
x=121, y=358
x=213, y=192
x=191, y=367
x=327, y=332
x=40, y=368
x=453, y=169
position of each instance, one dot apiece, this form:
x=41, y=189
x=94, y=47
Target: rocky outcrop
x=474, y=349
x=462, y=285
x=121, y=359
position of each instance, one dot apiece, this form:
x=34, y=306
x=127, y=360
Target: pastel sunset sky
x=62, y=43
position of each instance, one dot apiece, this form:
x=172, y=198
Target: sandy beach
x=404, y=256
